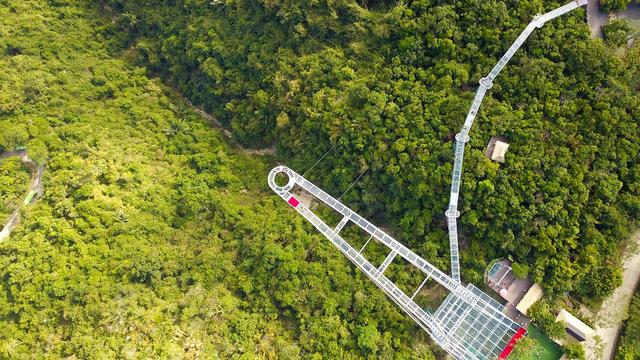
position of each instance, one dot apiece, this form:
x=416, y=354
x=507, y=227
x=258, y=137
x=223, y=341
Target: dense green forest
x=14, y=181
x=629, y=346
x=156, y=239
x=387, y=84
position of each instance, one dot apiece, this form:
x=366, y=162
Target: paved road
x=596, y=18
x=610, y=317
x=632, y=12
x=36, y=185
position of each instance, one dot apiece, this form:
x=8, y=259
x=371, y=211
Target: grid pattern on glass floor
x=488, y=299
x=473, y=333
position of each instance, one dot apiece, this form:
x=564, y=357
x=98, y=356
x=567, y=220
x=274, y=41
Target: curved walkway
x=614, y=309
x=35, y=188
x=462, y=137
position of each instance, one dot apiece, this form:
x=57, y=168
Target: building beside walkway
x=497, y=149
x=577, y=331
x=533, y=294
x=519, y=293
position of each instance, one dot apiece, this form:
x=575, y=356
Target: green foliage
x=617, y=32
x=526, y=349
x=154, y=238
x=389, y=88
x=614, y=5
x=542, y=314
x=601, y=283
x=632, y=59
x=575, y=351
x=14, y=182
x=629, y=345
x=520, y=270
x=12, y=135
x=369, y=338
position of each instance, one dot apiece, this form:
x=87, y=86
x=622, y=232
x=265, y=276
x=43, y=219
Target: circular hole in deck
x=281, y=179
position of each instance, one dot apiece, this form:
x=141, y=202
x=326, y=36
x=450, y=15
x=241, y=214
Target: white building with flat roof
x=533, y=294
x=576, y=329
x=497, y=148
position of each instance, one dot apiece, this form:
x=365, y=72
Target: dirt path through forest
x=216, y=124
x=613, y=311
x=36, y=186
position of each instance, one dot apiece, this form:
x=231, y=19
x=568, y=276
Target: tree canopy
x=155, y=238
x=387, y=87
x=14, y=181
x=616, y=5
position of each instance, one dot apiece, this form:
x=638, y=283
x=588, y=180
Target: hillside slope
x=387, y=84
x=155, y=238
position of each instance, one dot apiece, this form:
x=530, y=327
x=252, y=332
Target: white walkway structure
x=468, y=324
x=463, y=136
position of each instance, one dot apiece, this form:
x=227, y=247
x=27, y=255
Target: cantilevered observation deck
x=468, y=324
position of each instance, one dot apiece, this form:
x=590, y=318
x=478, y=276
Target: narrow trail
x=271, y=150
x=613, y=311
x=35, y=187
